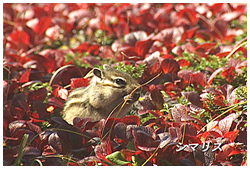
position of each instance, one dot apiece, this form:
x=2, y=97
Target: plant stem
x=21, y=149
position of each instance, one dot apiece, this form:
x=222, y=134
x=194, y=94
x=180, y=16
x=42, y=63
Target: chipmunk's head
x=121, y=82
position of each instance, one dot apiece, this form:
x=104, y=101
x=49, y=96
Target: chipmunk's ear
x=98, y=72
x=94, y=72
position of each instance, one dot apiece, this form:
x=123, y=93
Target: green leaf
x=117, y=158
x=131, y=146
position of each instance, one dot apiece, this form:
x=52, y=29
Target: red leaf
x=175, y=132
x=73, y=164
x=100, y=152
x=92, y=49
x=18, y=113
x=156, y=96
x=120, y=131
x=107, y=126
x=39, y=94
x=8, y=154
x=106, y=52
x=169, y=36
x=222, y=54
x=167, y=56
x=152, y=70
x=103, y=150
x=82, y=47
x=78, y=82
x=69, y=26
x=233, y=62
x=143, y=139
x=231, y=135
x=215, y=8
x=228, y=74
x=189, y=129
x=131, y=119
x=170, y=66
x=178, y=112
x=189, y=15
x=43, y=24
x=189, y=33
x=129, y=52
x=193, y=97
x=56, y=101
x=152, y=62
x=20, y=37
x=241, y=65
x=205, y=47
x=19, y=101
x=142, y=47
x=25, y=77
x=111, y=122
x=191, y=139
x=129, y=153
x=55, y=141
x=156, y=113
x=120, y=30
x=234, y=152
x=198, y=78
x=220, y=28
x=225, y=124
x=40, y=108
x=18, y=124
x=226, y=150
x=185, y=74
x=215, y=133
x=34, y=127
x=91, y=60
x=52, y=59
x=49, y=150
x=34, y=115
x=147, y=104
x=19, y=134
x=170, y=87
x=183, y=62
x=60, y=92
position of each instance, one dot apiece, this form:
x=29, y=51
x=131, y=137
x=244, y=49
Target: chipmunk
x=106, y=93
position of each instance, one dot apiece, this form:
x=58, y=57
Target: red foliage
x=228, y=74
x=41, y=42
x=79, y=82
x=43, y=24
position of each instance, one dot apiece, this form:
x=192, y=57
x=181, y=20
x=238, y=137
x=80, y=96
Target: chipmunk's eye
x=120, y=82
